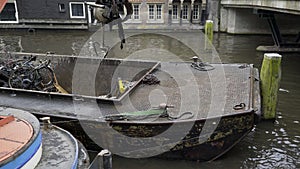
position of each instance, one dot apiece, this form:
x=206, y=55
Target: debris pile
x=27, y=73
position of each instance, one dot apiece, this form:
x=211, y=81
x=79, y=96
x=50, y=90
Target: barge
x=141, y=109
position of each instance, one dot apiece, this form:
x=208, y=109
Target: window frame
x=159, y=12
x=185, y=12
x=153, y=11
x=83, y=8
x=176, y=12
x=157, y=18
x=60, y=5
x=197, y=7
x=134, y=16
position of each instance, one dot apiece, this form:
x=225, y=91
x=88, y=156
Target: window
x=151, y=11
x=136, y=12
x=185, y=12
x=175, y=12
x=61, y=7
x=135, y=16
x=158, y=11
x=196, y=12
x=155, y=11
x=77, y=10
x=9, y=13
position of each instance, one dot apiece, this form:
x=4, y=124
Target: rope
x=181, y=115
x=202, y=66
x=126, y=117
x=60, y=122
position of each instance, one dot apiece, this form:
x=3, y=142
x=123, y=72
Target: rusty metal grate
x=237, y=88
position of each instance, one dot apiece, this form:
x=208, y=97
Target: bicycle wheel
x=3, y=83
x=45, y=77
x=21, y=78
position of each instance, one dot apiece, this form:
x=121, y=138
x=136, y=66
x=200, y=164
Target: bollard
x=46, y=121
x=105, y=159
x=270, y=76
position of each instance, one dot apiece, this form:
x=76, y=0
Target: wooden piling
x=209, y=33
x=270, y=76
x=209, y=26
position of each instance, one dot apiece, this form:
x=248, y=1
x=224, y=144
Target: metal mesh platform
x=213, y=93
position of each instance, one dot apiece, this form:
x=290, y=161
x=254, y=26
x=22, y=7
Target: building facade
x=63, y=14
x=164, y=14
x=77, y=14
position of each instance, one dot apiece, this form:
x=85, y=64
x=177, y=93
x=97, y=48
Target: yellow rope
x=58, y=87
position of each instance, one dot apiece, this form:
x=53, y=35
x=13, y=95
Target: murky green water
x=270, y=145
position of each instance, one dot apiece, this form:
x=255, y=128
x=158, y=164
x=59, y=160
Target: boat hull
x=143, y=140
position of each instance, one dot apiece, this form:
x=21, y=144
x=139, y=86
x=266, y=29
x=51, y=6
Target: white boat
x=26, y=143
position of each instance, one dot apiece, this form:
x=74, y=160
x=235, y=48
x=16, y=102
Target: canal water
x=271, y=144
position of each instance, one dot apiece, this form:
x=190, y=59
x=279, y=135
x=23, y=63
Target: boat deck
x=11, y=141
x=20, y=140
x=60, y=149
x=215, y=92
x=225, y=90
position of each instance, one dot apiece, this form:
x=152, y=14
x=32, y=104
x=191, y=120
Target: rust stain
x=6, y=119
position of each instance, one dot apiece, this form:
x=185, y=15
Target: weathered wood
x=292, y=48
x=270, y=78
x=209, y=25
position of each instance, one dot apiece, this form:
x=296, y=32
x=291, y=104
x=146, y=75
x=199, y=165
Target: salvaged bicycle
x=27, y=74
x=6, y=67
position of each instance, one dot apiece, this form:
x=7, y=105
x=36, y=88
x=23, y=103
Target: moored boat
x=25, y=144
x=114, y=104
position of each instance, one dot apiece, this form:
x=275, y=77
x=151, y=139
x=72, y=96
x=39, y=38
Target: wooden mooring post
x=209, y=33
x=270, y=76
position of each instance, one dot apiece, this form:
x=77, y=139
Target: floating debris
x=284, y=90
